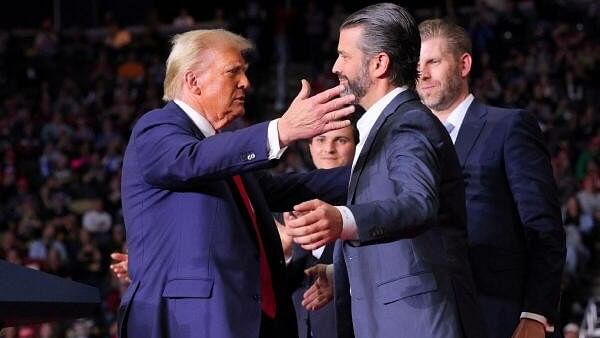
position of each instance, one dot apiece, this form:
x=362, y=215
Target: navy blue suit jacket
x=516, y=238
x=193, y=257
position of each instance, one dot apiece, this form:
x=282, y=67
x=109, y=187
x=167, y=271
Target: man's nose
x=423, y=73
x=329, y=147
x=244, y=82
x=336, y=67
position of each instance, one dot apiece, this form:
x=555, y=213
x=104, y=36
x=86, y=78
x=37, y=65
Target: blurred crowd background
x=69, y=95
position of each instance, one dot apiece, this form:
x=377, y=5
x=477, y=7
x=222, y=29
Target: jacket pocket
x=407, y=286
x=188, y=288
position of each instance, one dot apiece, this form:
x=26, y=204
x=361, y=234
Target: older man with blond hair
x=205, y=259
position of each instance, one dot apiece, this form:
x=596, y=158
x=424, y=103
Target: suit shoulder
x=509, y=117
x=155, y=116
x=413, y=112
x=501, y=113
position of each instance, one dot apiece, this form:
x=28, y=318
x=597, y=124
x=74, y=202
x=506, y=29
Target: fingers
x=317, y=296
x=286, y=240
x=312, y=238
x=318, y=270
x=308, y=205
x=339, y=103
x=311, y=233
x=338, y=114
x=316, y=245
x=334, y=125
x=119, y=256
x=307, y=221
x=304, y=91
x=330, y=93
x=313, y=299
x=119, y=267
x=282, y=233
x=313, y=271
x=311, y=294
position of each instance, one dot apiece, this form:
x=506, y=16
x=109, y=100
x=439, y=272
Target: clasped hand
x=313, y=224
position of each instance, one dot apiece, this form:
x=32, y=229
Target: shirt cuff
x=318, y=252
x=538, y=318
x=349, y=229
x=275, y=151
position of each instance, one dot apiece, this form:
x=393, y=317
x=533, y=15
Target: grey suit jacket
x=408, y=274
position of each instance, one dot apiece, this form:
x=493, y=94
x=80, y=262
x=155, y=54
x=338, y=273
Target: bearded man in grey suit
x=401, y=266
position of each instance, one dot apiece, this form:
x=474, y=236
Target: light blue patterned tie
x=449, y=126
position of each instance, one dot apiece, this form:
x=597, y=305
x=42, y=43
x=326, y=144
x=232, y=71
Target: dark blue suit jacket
x=516, y=238
x=193, y=257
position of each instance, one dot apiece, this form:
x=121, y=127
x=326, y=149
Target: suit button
x=256, y=297
x=247, y=156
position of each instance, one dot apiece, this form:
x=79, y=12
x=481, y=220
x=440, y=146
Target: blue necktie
x=449, y=126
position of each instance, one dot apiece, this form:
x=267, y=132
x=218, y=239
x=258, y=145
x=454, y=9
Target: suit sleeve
x=171, y=156
x=529, y=175
x=413, y=168
x=284, y=191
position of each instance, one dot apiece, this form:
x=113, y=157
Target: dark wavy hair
x=390, y=29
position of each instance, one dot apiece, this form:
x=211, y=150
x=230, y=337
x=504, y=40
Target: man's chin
x=347, y=92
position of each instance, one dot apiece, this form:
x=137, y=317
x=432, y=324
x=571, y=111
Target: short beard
x=360, y=85
x=448, y=95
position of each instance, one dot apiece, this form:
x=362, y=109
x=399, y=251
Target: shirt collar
x=457, y=116
x=366, y=121
x=199, y=120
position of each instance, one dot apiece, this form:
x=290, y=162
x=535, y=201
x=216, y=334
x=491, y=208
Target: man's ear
x=464, y=62
x=380, y=64
x=192, y=82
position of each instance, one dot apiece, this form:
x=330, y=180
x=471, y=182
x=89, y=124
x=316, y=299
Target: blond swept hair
x=457, y=39
x=187, y=53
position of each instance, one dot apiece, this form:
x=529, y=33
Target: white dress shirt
x=457, y=116
x=364, y=126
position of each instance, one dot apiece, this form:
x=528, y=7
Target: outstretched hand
x=309, y=116
x=119, y=267
x=321, y=291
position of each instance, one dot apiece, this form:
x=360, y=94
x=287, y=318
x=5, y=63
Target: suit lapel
x=182, y=115
x=249, y=184
x=470, y=129
x=405, y=96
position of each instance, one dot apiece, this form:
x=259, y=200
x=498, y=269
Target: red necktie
x=267, y=300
